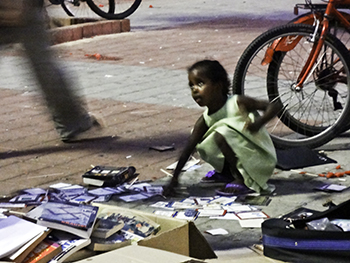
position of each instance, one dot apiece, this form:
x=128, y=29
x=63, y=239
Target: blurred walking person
x=22, y=21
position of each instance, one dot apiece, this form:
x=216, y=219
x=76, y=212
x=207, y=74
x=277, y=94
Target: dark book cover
x=108, y=173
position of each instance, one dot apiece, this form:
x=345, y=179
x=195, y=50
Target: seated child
x=229, y=135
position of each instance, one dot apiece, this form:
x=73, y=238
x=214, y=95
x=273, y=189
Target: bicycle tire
x=335, y=27
x=250, y=73
x=117, y=9
x=66, y=9
x=79, y=9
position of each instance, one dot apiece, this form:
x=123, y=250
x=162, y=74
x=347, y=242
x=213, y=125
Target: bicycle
x=109, y=9
x=306, y=69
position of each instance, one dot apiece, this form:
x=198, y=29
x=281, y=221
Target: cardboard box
x=175, y=235
x=138, y=254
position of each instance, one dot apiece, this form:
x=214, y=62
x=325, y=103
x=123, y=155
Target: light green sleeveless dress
x=255, y=151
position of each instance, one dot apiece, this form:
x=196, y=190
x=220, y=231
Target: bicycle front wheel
x=313, y=114
x=114, y=9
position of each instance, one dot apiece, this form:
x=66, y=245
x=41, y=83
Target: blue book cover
x=75, y=215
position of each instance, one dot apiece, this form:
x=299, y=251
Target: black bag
x=290, y=239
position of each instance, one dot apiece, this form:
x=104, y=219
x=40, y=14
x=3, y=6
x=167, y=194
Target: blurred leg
x=66, y=107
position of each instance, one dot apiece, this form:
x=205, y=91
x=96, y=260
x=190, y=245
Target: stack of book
x=22, y=241
x=54, y=231
x=51, y=232
x=18, y=237
x=120, y=228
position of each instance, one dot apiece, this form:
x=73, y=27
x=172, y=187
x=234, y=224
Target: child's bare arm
x=269, y=111
x=198, y=132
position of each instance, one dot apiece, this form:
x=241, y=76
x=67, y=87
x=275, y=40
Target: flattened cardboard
x=175, y=235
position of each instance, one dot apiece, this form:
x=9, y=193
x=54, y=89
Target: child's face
x=204, y=91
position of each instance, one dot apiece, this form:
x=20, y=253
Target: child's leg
x=237, y=187
x=230, y=157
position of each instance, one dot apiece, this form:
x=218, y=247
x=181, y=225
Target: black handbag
x=291, y=239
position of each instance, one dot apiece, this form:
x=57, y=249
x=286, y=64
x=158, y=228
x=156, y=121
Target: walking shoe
x=93, y=132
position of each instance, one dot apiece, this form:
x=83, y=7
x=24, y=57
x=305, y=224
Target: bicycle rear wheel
x=114, y=9
x=79, y=8
x=336, y=28
x=312, y=116
x=109, y=9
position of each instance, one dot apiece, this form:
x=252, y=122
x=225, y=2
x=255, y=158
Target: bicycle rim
x=114, y=9
x=309, y=117
x=336, y=28
x=78, y=9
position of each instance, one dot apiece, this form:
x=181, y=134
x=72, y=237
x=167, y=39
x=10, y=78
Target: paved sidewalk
x=140, y=88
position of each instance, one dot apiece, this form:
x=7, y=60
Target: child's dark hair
x=214, y=71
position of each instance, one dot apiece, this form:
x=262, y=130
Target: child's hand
x=169, y=189
x=253, y=127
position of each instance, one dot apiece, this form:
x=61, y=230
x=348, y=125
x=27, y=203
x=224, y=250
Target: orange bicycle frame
x=288, y=43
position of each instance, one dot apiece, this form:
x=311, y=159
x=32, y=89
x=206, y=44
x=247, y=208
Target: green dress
x=255, y=151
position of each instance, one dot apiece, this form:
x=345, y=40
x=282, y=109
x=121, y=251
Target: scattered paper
x=211, y=212
x=331, y=188
x=236, y=208
x=217, y=232
x=188, y=214
x=227, y=216
x=251, y=215
x=251, y=223
x=163, y=205
x=131, y=198
x=224, y=200
x=164, y=213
